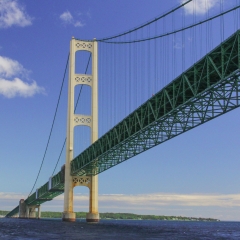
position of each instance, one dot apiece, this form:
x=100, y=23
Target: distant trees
x=3, y=213
x=123, y=216
x=128, y=216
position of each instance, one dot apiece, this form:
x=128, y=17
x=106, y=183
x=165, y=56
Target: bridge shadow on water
x=11, y=228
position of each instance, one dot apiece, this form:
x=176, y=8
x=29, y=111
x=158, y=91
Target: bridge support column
x=68, y=214
x=73, y=120
x=22, y=209
x=39, y=212
x=32, y=212
x=93, y=215
x=26, y=211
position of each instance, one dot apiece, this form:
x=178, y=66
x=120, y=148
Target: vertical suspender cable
x=141, y=46
x=183, y=41
x=195, y=50
x=115, y=107
x=125, y=77
x=149, y=66
x=155, y=61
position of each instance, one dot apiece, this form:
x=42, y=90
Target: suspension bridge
x=190, y=94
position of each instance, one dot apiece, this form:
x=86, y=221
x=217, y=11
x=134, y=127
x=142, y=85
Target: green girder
x=44, y=194
x=208, y=89
x=13, y=212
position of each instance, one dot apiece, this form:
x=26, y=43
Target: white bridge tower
x=75, y=120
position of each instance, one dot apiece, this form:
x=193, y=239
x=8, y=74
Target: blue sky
x=195, y=174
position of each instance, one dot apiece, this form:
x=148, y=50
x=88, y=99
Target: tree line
x=122, y=216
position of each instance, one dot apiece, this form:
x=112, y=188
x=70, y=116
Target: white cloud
x=67, y=18
x=12, y=13
x=152, y=200
x=78, y=24
x=9, y=67
x=220, y=206
x=199, y=6
x=164, y=199
x=11, y=196
x=15, y=87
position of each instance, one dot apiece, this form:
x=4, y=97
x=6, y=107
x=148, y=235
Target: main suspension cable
x=50, y=134
x=148, y=23
x=170, y=33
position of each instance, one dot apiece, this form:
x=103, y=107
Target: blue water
x=185, y=229
x=117, y=229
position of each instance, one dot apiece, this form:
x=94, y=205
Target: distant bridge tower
x=75, y=120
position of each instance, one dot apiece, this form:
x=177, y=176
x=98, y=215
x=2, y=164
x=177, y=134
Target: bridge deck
x=206, y=90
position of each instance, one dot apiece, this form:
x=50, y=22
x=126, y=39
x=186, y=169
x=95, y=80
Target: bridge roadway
x=205, y=91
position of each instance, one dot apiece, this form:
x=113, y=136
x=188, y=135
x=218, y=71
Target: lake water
x=117, y=229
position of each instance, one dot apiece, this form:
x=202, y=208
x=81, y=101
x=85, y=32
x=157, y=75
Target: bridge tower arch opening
x=83, y=99
x=73, y=120
x=83, y=63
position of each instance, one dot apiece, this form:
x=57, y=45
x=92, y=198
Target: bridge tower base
x=69, y=217
x=92, y=217
x=73, y=120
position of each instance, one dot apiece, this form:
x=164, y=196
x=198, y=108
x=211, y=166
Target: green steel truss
x=13, y=212
x=208, y=89
x=47, y=192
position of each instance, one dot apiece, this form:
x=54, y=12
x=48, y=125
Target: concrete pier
x=22, y=209
x=26, y=211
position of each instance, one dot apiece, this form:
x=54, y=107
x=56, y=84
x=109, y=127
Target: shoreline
x=124, y=216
